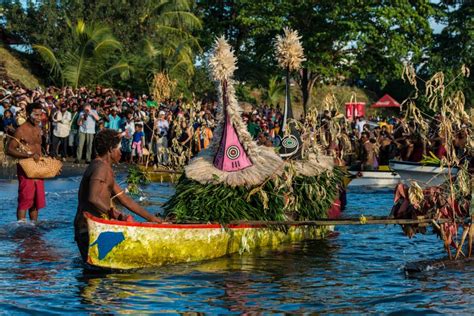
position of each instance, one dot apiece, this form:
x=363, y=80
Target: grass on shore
x=14, y=69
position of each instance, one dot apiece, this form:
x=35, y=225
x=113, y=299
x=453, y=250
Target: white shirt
x=63, y=124
x=360, y=125
x=129, y=129
x=161, y=127
x=88, y=125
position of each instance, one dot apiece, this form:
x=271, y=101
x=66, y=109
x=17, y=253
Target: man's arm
x=99, y=194
x=14, y=147
x=94, y=115
x=133, y=206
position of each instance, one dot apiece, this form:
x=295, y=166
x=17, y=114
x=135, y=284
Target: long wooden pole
x=353, y=221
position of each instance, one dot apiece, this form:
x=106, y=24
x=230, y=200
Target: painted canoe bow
x=133, y=245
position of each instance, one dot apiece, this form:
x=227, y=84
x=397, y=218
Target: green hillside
x=12, y=68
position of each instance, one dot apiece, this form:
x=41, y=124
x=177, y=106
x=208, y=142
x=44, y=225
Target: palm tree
x=93, y=48
x=275, y=91
x=171, y=47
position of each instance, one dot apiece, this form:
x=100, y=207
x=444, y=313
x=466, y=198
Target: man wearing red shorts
x=27, y=144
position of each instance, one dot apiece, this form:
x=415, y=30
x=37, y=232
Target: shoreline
x=70, y=169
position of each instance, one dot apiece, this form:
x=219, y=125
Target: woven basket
x=45, y=168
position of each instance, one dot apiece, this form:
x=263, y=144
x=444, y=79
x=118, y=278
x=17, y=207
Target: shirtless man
x=98, y=189
x=31, y=195
x=369, y=152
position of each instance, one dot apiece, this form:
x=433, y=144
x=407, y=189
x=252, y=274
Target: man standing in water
x=98, y=189
x=27, y=144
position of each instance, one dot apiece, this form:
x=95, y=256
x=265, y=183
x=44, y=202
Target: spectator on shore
x=160, y=140
x=73, y=138
x=202, y=137
x=138, y=143
x=9, y=123
x=87, y=128
x=62, y=127
x=114, y=120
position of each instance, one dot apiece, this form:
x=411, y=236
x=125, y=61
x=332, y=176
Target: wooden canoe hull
x=425, y=175
x=161, y=174
x=374, y=179
x=133, y=245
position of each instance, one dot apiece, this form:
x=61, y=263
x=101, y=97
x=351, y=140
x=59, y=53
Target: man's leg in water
x=21, y=215
x=33, y=214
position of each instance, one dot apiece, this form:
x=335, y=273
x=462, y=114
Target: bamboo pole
x=353, y=221
x=463, y=238
x=471, y=235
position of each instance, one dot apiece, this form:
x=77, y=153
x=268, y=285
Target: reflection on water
x=33, y=255
x=359, y=270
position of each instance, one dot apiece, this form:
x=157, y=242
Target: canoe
x=376, y=179
x=161, y=174
x=426, y=175
x=133, y=245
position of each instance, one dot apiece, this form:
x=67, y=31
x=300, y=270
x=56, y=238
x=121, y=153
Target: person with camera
x=87, y=126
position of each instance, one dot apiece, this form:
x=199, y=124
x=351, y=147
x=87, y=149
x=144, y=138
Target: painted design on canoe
x=106, y=242
x=151, y=245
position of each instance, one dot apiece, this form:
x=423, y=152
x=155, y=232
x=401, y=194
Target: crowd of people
x=71, y=118
x=376, y=141
x=171, y=130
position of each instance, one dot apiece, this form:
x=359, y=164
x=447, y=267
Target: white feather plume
x=289, y=51
x=223, y=62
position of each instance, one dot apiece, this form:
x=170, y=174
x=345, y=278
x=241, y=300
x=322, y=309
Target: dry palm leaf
x=162, y=86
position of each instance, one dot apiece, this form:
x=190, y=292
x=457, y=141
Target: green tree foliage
x=87, y=59
x=343, y=40
x=453, y=47
x=156, y=35
x=275, y=91
x=159, y=39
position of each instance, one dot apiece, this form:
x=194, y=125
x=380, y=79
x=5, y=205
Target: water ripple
x=359, y=269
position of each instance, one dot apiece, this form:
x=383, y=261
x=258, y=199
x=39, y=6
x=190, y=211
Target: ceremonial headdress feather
x=289, y=51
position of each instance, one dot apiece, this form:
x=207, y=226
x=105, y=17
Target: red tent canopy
x=386, y=102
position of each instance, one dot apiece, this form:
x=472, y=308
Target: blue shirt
x=114, y=122
x=137, y=136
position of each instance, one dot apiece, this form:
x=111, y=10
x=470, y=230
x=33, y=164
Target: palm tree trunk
x=308, y=79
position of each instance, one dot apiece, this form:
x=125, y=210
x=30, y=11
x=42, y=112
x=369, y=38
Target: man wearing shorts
x=98, y=189
x=27, y=144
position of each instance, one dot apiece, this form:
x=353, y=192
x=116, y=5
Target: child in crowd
x=138, y=143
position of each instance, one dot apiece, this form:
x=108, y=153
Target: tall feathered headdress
x=289, y=51
x=232, y=158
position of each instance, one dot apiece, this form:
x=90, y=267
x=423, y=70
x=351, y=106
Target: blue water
x=358, y=270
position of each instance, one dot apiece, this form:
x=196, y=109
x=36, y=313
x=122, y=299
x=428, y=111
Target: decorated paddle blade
x=231, y=155
x=290, y=145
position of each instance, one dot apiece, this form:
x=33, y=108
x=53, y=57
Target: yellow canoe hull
x=125, y=245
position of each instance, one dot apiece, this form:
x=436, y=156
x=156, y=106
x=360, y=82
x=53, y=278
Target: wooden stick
x=445, y=243
x=471, y=235
x=352, y=221
x=463, y=238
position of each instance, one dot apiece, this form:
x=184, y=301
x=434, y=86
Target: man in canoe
x=26, y=143
x=98, y=189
